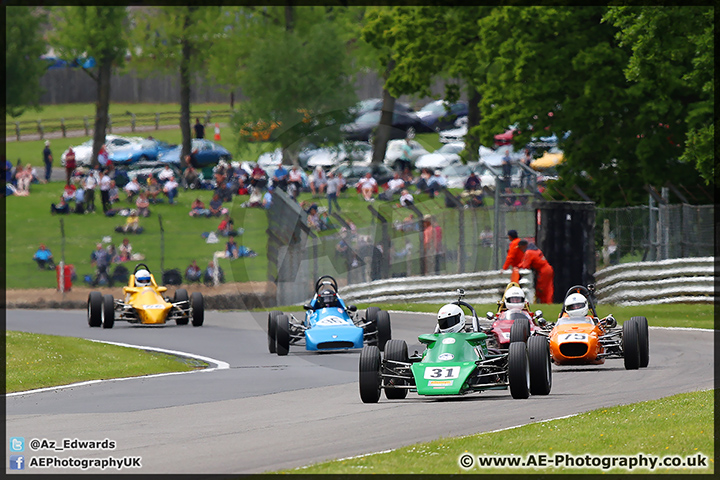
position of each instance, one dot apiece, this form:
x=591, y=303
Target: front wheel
x=282, y=335
x=181, y=295
x=395, y=351
x=94, y=309
x=540, y=369
x=631, y=345
x=108, y=319
x=272, y=328
x=370, y=379
x=384, y=332
x=518, y=371
x=197, y=307
x=644, y=336
x=520, y=330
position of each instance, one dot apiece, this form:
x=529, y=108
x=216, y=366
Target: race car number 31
x=442, y=372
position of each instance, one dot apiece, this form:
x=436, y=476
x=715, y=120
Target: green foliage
x=23, y=67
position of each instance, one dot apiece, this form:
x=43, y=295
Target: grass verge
x=679, y=425
x=36, y=361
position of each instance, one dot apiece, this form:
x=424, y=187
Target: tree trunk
x=185, y=96
x=382, y=134
x=472, y=141
x=289, y=17
x=102, y=106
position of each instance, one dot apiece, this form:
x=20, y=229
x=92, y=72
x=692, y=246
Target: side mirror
x=490, y=315
x=352, y=308
x=307, y=306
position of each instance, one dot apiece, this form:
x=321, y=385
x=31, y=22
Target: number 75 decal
x=572, y=337
x=442, y=372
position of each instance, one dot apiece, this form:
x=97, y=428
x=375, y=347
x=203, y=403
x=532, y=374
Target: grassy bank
x=36, y=361
x=679, y=425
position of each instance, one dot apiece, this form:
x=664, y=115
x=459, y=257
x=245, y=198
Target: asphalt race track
x=267, y=412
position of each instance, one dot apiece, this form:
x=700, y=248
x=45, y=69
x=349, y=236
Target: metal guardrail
x=684, y=280
x=480, y=287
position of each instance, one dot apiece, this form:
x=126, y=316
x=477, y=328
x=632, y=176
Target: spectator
x=61, y=208
x=33, y=173
x=421, y=185
x=544, y=275
x=241, y=188
x=227, y=226
x=105, y=191
x=268, y=198
x=103, y=157
x=193, y=273
x=405, y=162
x=132, y=224
x=319, y=181
x=432, y=240
x=506, y=167
x=486, y=237
x=342, y=184
x=125, y=250
x=406, y=198
x=69, y=192
x=197, y=209
x=91, y=181
x=295, y=181
x=436, y=183
x=210, y=273
x=8, y=171
x=231, y=248
x=44, y=258
x=258, y=178
x=143, y=205
x=199, y=129
x=170, y=189
x=394, y=186
x=313, y=218
x=514, y=256
x=70, y=164
x=79, y=199
x=333, y=185
x=165, y=174
x=113, y=255
x=23, y=177
x=224, y=191
x=100, y=259
x=366, y=186
x=280, y=177
x=153, y=189
x=113, y=193
x=132, y=188
x=472, y=183
x=191, y=178
x=216, y=208
x=47, y=159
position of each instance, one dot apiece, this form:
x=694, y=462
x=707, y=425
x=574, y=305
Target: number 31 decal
x=442, y=372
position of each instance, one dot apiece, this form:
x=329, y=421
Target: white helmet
x=576, y=305
x=514, y=298
x=142, y=278
x=451, y=318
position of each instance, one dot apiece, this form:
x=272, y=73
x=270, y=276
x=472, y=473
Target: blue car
x=205, y=153
x=140, y=150
x=329, y=324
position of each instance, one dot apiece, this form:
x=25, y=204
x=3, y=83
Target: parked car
x=375, y=104
x=270, y=159
x=140, y=150
x=204, y=151
x=404, y=124
x=353, y=173
x=347, y=151
x=446, y=155
x=395, y=149
x=83, y=152
x=457, y=173
x=439, y=116
x=453, y=134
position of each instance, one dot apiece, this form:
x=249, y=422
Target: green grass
x=36, y=361
x=678, y=425
x=75, y=110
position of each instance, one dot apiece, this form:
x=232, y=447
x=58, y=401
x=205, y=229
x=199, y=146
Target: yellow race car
x=144, y=303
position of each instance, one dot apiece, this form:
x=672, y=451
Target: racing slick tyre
x=272, y=322
x=644, y=340
x=520, y=330
x=282, y=335
x=197, y=308
x=518, y=371
x=94, y=309
x=108, y=310
x=540, y=369
x=181, y=295
x=371, y=317
x=631, y=344
x=370, y=380
x=396, y=351
x=384, y=332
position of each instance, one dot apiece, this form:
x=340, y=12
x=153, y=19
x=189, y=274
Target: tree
x=93, y=31
x=176, y=39
x=23, y=67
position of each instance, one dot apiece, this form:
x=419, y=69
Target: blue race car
x=141, y=151
x=329, y=324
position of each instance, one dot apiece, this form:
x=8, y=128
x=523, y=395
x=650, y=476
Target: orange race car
x=579, y=337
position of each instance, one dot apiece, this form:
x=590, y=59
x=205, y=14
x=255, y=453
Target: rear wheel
x=518, y=371
x=272, y=319
x=282, y=335
x=384, y=332
x=108, y=308
x=395, y=351
x=631, y=344
x=540, y=370
x=520, y=330
x=181, y=295
x=197, y=307
x=94, y=309
x=370, y=381
x=644, y=336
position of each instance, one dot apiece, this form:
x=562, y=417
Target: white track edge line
x=220, y=365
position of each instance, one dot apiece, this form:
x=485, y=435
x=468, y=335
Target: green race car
x=456, y=361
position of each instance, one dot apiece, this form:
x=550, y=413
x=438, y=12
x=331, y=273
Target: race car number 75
x=573, y=337
x=442, y=372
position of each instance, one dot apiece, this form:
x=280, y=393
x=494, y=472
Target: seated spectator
x=153, y=189
x=313, y=218
x=61, y=208
x=197, y=209
x=436, y=183
x=224, y=192
x=318, y=182
x=268, y=198
x=125, y=250
x=406, y=198
x=394, y=186
x=143, y=205
x=113, y=254
x=79, y=199
x=421, y=185
x=69, y=192
x=258, y=177
x=44, y=258
x=280, y=178
x=227, y=226
x=241, y=188
x=132, y=224
x=113, y=193
x=165, y=174
x=255, y=200
x=231, y=248
x=472, y=183
x=210, y=272
x=193, y=272
x=216, y=206
x=23, y=177
x=191, y=177
x=366, y=186
x=132, y=189
x=170, y=189
x=295, y=181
